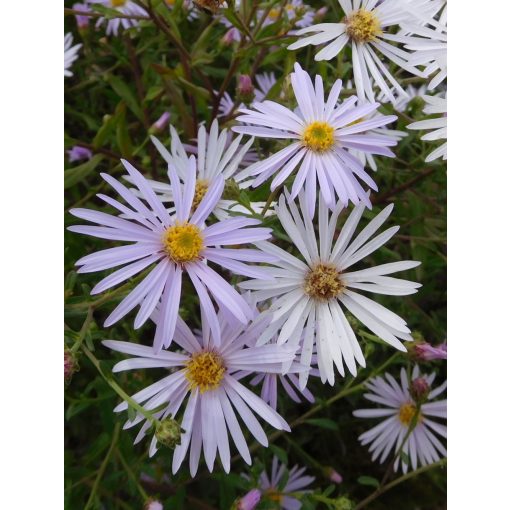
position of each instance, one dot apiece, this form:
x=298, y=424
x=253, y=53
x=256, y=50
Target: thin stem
x=133, y=477
x=397, y=481
x=101, y=471
x=83, y=330
x=92, y=14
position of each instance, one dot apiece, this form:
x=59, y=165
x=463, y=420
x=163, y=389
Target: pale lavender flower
x=368, y=28
x=313, y=289
x=250, y=500
x=124, y=7
x=70, y=53
x=171, y=246
x=275, y=489
x=204, y=374
x=426, y=352
x=153, y=505
x=81, y=20
x=219, y=155
x=399, y=411
x=77, y=153
x=231, y=35
x=321, y=134
x=335, y=476
x=435, y=105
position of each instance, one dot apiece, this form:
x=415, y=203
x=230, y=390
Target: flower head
x=81, y=20
x=278, y=488
x=205, y=374
x=126, y=7
x=77, y=153
x=426, y=352
x=310, y=292
x=70, y=53
x=321, y=134
x=401, y=411
x=368, y=29
x=434, y=105
x=171, y=246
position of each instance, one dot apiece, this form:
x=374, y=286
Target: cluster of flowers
x=286, y=320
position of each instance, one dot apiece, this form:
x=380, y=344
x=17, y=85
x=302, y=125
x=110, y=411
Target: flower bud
x=81, y=20
x=426, y=352
x=168, y=433
x=332, y=475
x=344, y=503
x=153, y=504
x=245, y=90
x=70, y=364
x=319, y=15
x=419, y=389
x=249, y=501
x=232, y=35
x=78, y=153
x=160, y=124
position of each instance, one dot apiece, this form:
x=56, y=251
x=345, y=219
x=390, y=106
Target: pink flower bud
x=319, y=15
x=419, y=389
x=245, y=90
x=232, y=35
x=426, y=352
x=153, y=505
x=160, y=124
x=81, y=20
x=78, y=153
x=249, y=501
x=70, y=364
x=333, y=475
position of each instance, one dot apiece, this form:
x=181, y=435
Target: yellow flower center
x=273, y=495
x=323, y=282
x=201, y=188
x=183, y=243
x=205, y=371
x=319, y=136
x=362, y=26
x=171, y=3
x=274, y=13
x=118, y=3
x=406, y=413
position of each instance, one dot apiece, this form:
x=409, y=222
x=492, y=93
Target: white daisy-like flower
x=205, y=375
x=310, y=290
x=70, y=53
x=435, y=105
x=401, y=410
x=124, y=7
x=430, y=46
x=321, y=134
x=217, y=155
x=367, y=27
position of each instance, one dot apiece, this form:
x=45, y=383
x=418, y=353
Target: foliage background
x=121, y=85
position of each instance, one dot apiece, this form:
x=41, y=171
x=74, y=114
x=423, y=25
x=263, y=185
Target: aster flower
x=321, y=134
x=400, y=411
x=294, y=11
x=204, y=374
x=218, y=156
x=367, y=28
x=171, y=246
x=81, y=20
x=276, y=489
x=249, y=501
x=70, y=53
x=426, y=352
x=77, y=153
x=435, y=105
x=412, y=92
x=430, y=46
x=311, y=289
x=127, y=7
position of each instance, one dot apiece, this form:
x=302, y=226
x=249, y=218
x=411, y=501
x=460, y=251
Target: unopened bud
x=319, y=15
x=249, y=501
x=344, y=503
x=153, y=504
x=81, y=20
x=332, y=475
x=232, y=35
x=168, y=433
x=426, y=352
x=160, y=124
x=78, y=153
x=245, y=90
x=419, y=389
x=70, y=364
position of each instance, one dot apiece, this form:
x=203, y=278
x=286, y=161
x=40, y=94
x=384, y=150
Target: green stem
x=397, y=481
x=101, y=471
x=83, y=330
x=133, y=477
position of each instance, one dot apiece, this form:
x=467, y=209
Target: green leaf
x=78, y=173
x=123, y=90
x=324, y=423
x=280, y=453
x=104, y=131
x=122, y=134
x=404, y=457
x=368, y=480
x=194, y=89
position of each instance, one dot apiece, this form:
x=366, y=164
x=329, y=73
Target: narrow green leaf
x=78, y=173
x=368, y=480
x=324, y=423
x=123, y=90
